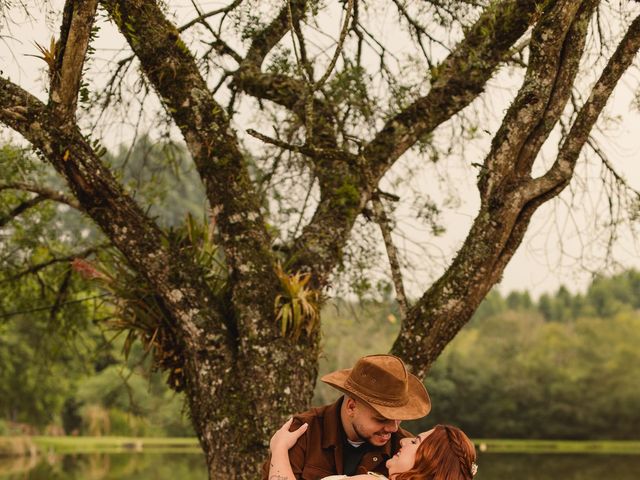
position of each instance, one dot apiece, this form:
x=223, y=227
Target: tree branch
x=267, y=38
x=556, y=47
x=561, y=171
x=619, y=178
x=205, y=127
x=45, y=193
x=32, y=270
x=392, y=253
x=21, y=208
x=70, y=54
x=203, y=16
x=343, y=35
x=310, y=151
x=506, y=209
x=456, y=82
x=105, y=201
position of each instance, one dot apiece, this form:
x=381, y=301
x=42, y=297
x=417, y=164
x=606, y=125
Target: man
x=360, y=431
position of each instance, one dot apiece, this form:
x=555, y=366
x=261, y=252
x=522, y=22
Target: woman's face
x=405, y=458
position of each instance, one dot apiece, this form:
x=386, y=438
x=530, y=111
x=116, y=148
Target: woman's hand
x=283, y=439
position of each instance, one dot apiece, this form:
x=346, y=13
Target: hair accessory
x=474, y=469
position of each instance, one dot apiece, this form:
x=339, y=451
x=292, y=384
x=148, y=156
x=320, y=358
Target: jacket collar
x=333, y=431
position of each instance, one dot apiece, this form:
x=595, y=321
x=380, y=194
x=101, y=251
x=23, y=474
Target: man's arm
x=287, y=452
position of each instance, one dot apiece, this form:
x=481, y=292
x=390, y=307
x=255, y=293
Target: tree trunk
x=235, y=414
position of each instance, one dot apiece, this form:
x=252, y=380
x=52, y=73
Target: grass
x=558, y=446
x=116, y=444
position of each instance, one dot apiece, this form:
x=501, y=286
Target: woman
x=442, y=453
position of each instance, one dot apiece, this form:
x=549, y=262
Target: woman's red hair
x=446, y=454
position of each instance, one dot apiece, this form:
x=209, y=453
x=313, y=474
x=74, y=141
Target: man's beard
x=367, y=439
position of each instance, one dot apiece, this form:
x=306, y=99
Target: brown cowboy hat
x=382, y=381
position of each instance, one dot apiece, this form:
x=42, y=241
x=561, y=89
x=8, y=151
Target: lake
x=189, y=466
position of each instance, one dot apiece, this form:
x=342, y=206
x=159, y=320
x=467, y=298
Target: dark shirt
x=351, y=457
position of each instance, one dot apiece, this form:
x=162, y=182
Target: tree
x=202, y=298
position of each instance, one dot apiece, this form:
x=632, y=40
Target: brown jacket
x=318, y=453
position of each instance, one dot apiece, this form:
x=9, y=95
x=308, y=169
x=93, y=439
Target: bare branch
x=419, y=29
x=43, y=192
x=222, y=48
x=265, y=40
x=343, y=35
x=204, y=125
x=21, y=208
x=48, y=307
x=203, y=16
x=562, y=170
x=457, y=81
x=392, y=253
x=33, y=269
x=310, y=151
x=619, y=178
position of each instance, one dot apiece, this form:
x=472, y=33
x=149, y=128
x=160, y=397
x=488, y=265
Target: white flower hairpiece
x=474, y=469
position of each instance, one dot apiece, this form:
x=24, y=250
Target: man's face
x=368, y=425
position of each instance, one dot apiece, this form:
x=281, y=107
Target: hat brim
x=418, y=406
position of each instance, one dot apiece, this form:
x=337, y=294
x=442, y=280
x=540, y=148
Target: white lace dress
x=341, y=477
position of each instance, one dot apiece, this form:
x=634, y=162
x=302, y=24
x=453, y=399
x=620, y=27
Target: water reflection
x=190, y=466
x=558, y=466
x=120, y=466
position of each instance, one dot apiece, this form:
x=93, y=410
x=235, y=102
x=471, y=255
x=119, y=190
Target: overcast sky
x=567, y=239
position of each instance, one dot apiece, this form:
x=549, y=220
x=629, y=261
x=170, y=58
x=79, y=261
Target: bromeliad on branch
x=298, y=307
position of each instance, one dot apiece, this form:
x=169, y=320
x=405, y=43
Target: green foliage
x=298, y=307
x=196, y=240
x=521, y=369
x=493, y=304
x=52, y=320
x=606, y=297
x=163, y=179
x=350, y=88
x=519, y=376
x=281, y=61
x=519, y=301
x=36, y=371
x=46, y=334
x=428, y=212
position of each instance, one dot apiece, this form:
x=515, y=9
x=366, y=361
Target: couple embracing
x=359, y=436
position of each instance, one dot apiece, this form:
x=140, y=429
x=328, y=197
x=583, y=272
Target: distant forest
x=562, y=366
x=566, y=366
